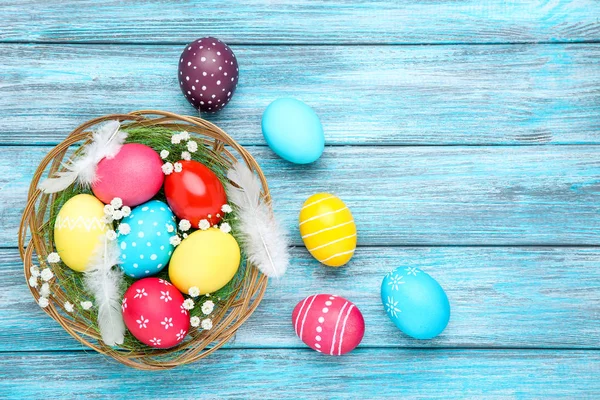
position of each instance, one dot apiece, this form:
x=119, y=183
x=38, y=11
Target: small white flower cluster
x=168, y=168
x=116, y=211
x=205, y=323
x=194, y=291
x=188, y=304
x=46, y=275
x=208, y=307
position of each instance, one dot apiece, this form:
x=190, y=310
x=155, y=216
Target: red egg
x=195, y=193
x=208, y=74
x=134, y=175
x=153, y=312
x=328, y=324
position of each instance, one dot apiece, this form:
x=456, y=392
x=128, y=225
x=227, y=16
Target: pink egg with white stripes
x=328, y=324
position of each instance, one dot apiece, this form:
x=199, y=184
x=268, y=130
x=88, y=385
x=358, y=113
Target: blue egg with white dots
x=146, y=249
x=415, y=302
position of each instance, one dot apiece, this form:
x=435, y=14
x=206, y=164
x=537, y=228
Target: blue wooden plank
x=287, y=374
x=544, y=195
x=500, y=297
x=302, y=21
x=378, y=95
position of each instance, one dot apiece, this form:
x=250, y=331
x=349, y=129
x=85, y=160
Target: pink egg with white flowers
x=134, y=175
x=153, y=312
x=328, y=324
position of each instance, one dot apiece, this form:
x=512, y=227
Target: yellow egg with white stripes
x=328, y=229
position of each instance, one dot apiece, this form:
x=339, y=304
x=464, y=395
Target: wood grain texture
x=378, y=95
x=302, y=21
x=413, y=195
x=287, y=374
x=500, y=298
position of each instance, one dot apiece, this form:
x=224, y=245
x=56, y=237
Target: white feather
x=104, y=283
x=263, y=240
x=106, y=143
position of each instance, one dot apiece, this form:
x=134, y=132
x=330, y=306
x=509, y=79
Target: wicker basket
x=237, y=308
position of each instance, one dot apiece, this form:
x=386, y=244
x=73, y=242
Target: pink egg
x=328, y=324
x=134, y=175
x=153, y=312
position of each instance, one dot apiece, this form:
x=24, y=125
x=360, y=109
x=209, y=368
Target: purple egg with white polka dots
x=208, y=74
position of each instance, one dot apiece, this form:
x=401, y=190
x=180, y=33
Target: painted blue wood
x=378, y=95
x=533, y=308
x=528, y=195
x=302, y=21
x=500, y=297
x=293, y=374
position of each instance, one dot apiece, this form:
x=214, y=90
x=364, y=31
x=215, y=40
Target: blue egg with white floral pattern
x=415, y=302
x=146, y=249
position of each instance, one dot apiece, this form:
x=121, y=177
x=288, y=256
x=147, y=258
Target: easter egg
x=206, y=259
x=328, y=324
x=415, y=302
x=208, y=74
x=77, y=230
x=195, y=193
x=153, y=312
x=328, y=229
x=146, y=249
x=293, y=131
x=134, y=175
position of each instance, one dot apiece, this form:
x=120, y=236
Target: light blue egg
x=293, y=131
x=146, y=250
x=415, y=302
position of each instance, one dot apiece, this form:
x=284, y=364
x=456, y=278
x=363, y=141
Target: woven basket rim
x=237, y=308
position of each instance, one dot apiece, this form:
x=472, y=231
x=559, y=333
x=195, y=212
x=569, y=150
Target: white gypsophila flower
x=43, y=302
x=225, y=227
x=111, y=235
x=33, y=281
x=184, y=225
x=226, y=208
x=53, y=258
x=185, y=235
x=69, y=307
x=117, y=215
x=195, y=322
x=107, y=219
x=208, y=307
x=192, y=146
x=45, y=290
x=109, y=209
x=185, y=135
x=175, y=240
x=194, y=291
x=126, y=210
x=207, y=324
x=185, y=155
x=124, y=228
x=170, y=228
x=167, y=168
x=46, y=274
x=117, y=202
x=34, y=270
x=164, y=154
x=176, y=138
x=204, y=224
x=188, y=304
x=86, y=305
x=177, y=167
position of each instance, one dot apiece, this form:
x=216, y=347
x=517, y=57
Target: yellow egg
x=328, y=229
x=206, y=259
x=77, y=230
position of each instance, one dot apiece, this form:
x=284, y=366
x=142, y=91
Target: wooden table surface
x=464, y=136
